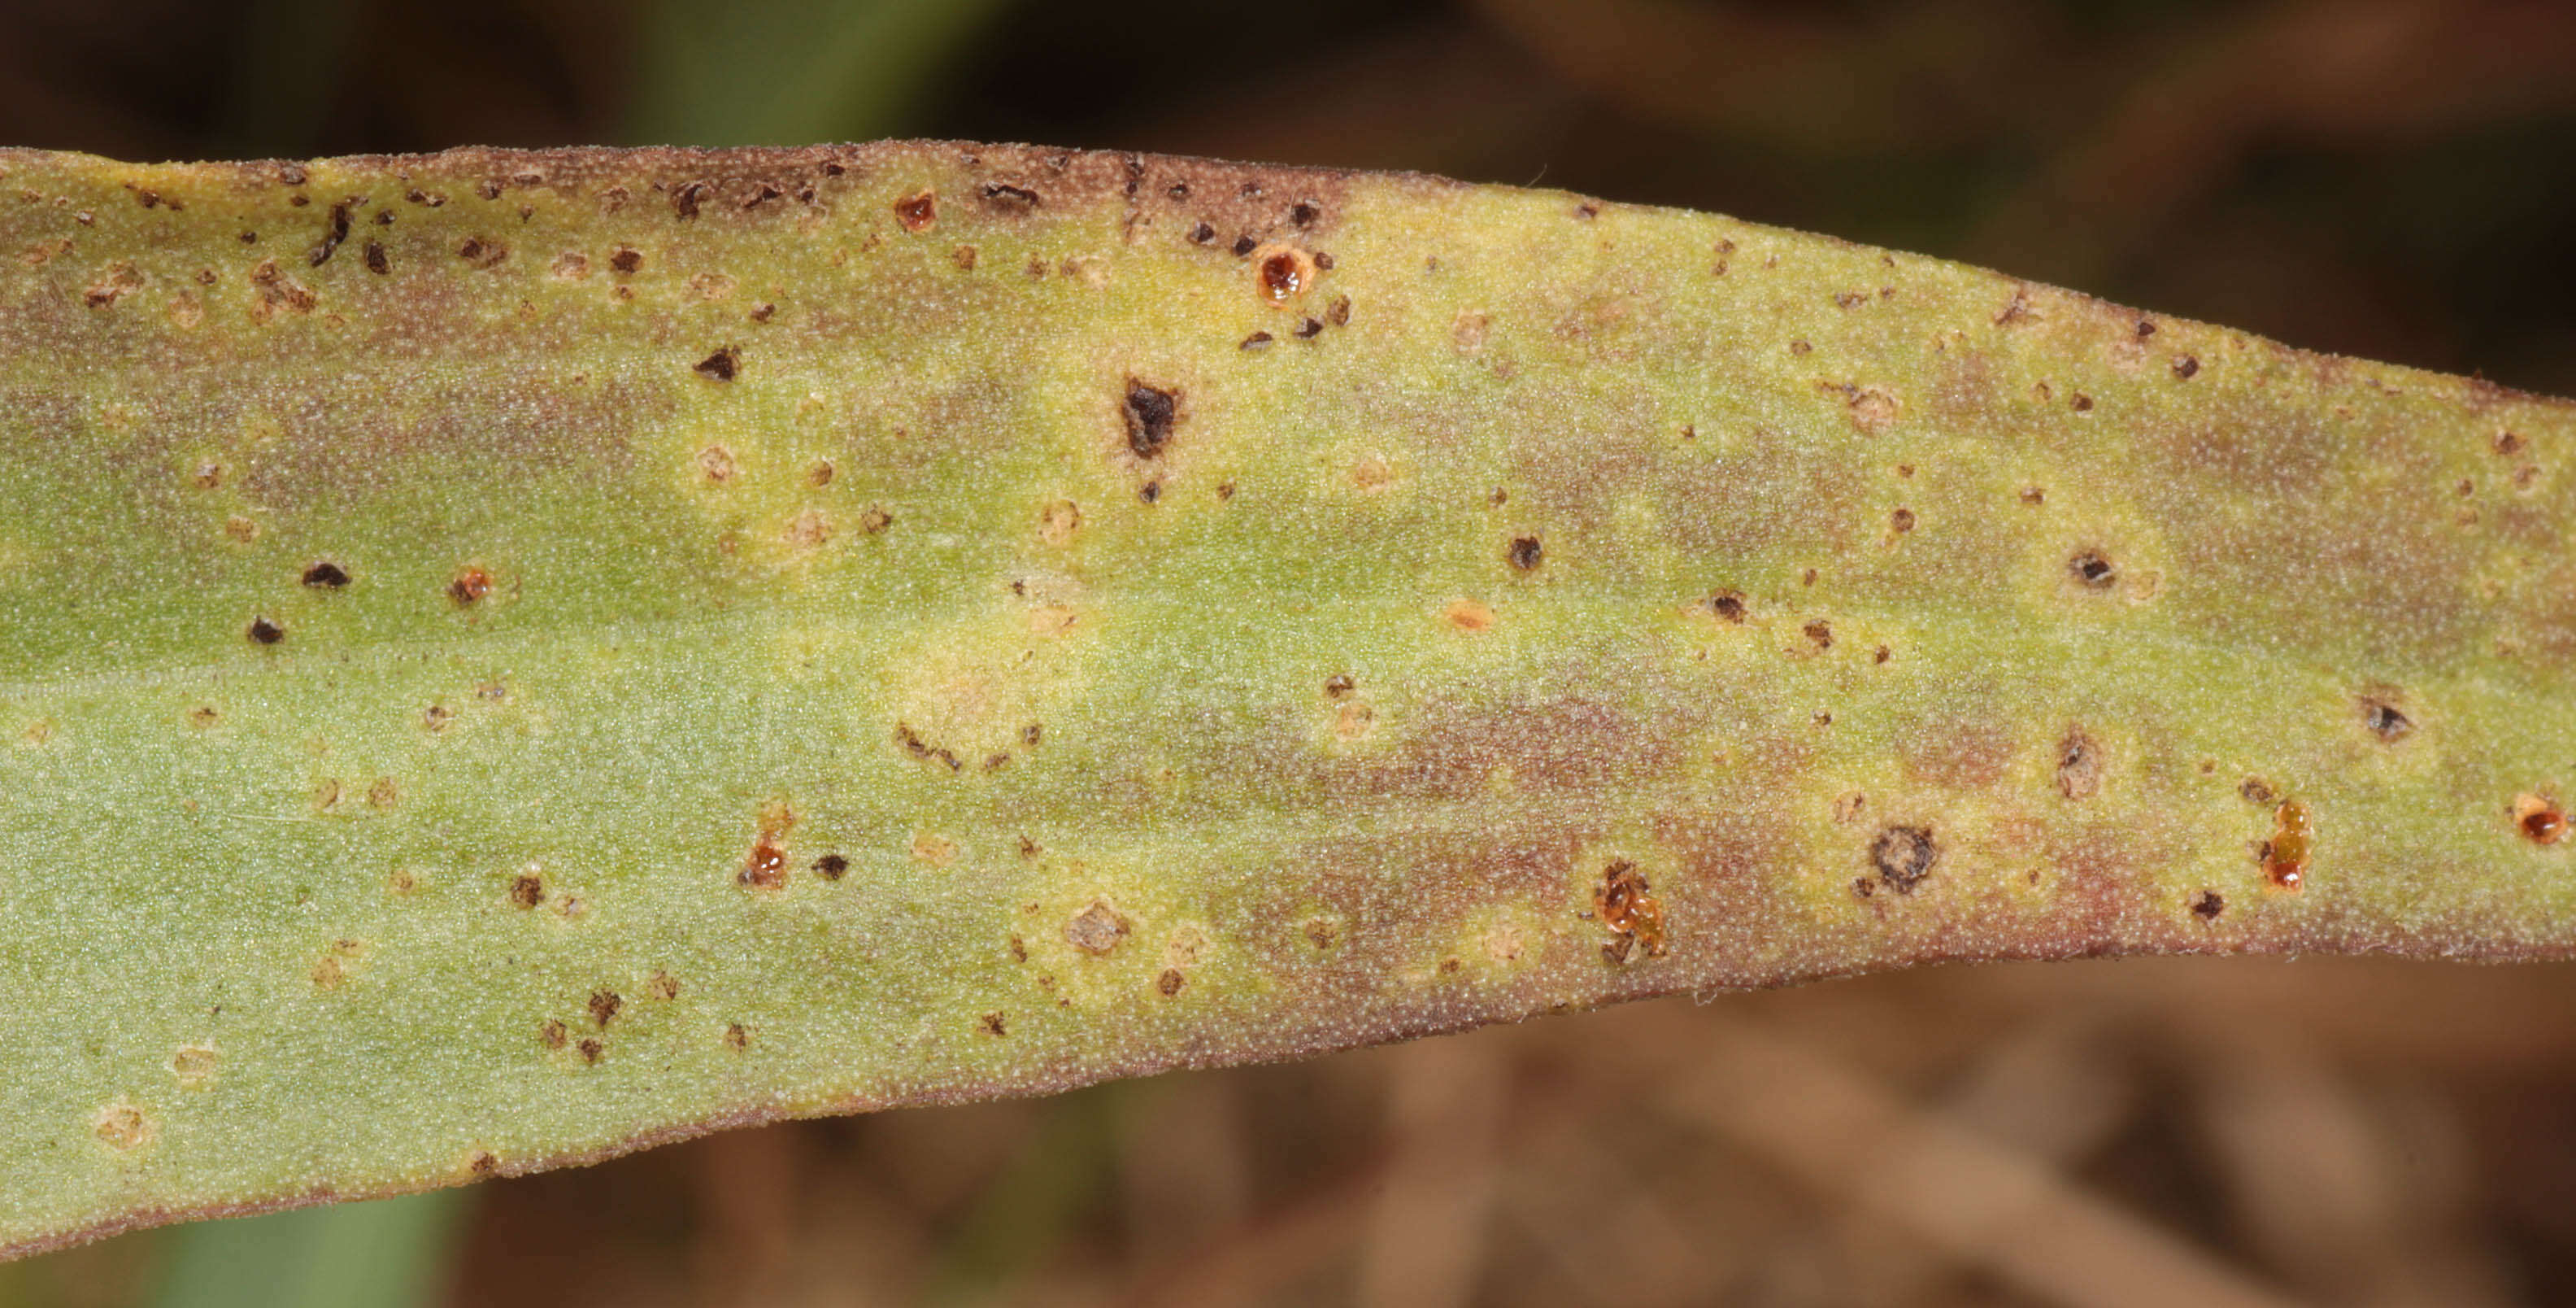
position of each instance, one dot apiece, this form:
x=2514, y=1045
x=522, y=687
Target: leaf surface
x=513, y=658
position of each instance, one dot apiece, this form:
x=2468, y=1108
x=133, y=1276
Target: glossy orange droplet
x=1283, y=273
x=2286, y=858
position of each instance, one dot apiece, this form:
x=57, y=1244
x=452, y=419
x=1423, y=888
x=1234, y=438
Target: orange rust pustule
x=917, y=211
x=1283, y=273
x=2541, y=821
x=2285, y=856
x=1634, y=916
x=470, y=585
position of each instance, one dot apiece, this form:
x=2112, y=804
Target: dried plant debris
x=458, y=599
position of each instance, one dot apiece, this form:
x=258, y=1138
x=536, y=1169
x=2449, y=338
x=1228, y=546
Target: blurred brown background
x=2392, y=178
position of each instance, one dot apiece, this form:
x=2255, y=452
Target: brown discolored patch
x=1525, y=553
x=2285, y=855
x=1819, y=633
x=2186, y=367
x=570, y=266
x=124, y=1127
x=482, y=252
x=832, y=867
x=553, y=1034
x=1170, y=982
x=194, y=1065
x=384, y=793
x=469, y=586
x=1903, y=856
x=1150, y=413
x=1728, y=605
x=604, y=1007
x=737, y=1037
x=326, y=575
x=2540, y=819
x=2207, y=905
x=721, y=366
x=1468, y=615
x=809, y=530
x=374, y=256
x=2092, y=569
x=1096, y=930
x=662, y=986
x=1623, y=904
x=991, y=1024
x=1009, y=198
x=2079, y=765
x=625, y=259
x=1338, y=685
x=527, y=890
x=919, y=211
x=591, y=1050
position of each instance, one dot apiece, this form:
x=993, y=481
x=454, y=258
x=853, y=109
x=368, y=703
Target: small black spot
x=2145, y=329
x=1303, y=214
x=1245, y=245
x=1150, y=413
x=1526, y=553
x=326, y=573
x=721, y=365
x=1150, y=492
x=2186, y=367
x=266, y=632
x=1309, y=329
x=2093, y=570
x=1202, y=234
x=1728, y=604
x=377, y=263
x=2207, y=904
x=832, y=867
x=2385, y=721
x=1904, y=855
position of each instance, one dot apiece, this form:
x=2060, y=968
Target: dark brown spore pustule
x=1003, y=197
x=265, y=631
x=2386, y=721
x=1526, y=553
x=604, y=1005
x=1728, y=605
x=527, y=890
x=326, y=575
x=2092, y=569
x=1150, y=413
x=332, y=235
x=917, y=211
x=832, y=867
x=377, y=263
x=2208, y=904
x=1903, y=856
x=719, y=366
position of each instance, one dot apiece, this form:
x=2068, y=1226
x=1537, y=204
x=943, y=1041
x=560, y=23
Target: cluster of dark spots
x=2079, y=765
x=1634, y=917
x=1821, y=632
x=1339, y=685
x=832, y=867
x=591, y=1049
x=335, y=232
x=2385, y=720
x=1003, y=197
x=373, y=254
x=1903, y=856
x=2285, y=855
x=119, y=280
x=684, y=201
x=469, y=585
x=527, y=890
x=265, y=631
x=1150, y=413
x=426, y=199
x=326, y=574
x=1728, y=605
x=1525, y=553
x=918, y=211
x=1170, y=982
x=604, y=1006
x=2092, y=569
x=2540, y=820
x=991, y=1025
x=2207, y=905
x=914, y=745
x=1019, y=949
x=719, y=366
x=480, y=252
x=2186, y=367
x=1095, y=930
